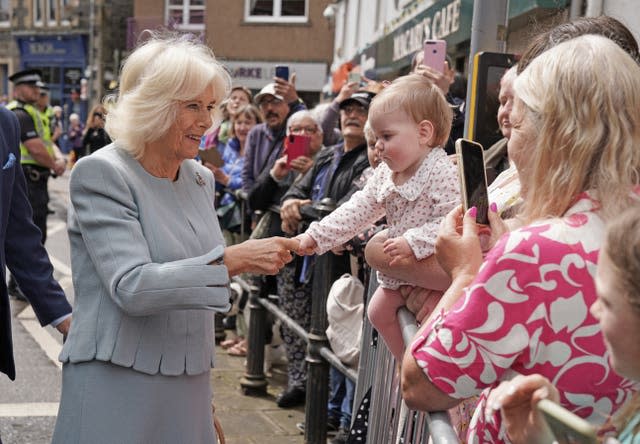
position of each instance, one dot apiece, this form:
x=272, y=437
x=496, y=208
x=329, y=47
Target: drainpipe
x=576, y=9
x=594, y=8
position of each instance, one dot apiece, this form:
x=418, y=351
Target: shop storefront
x=62, y=60
x=310, y=77
x=448, y=20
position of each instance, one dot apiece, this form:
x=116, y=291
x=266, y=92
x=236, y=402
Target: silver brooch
x=199, y=180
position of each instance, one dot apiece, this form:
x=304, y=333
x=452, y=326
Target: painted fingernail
x=473, y=211
x=493, y=207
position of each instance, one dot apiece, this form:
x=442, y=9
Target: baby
x=415, y=186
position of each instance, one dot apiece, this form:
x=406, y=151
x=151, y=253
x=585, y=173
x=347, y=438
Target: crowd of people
x=541, y=303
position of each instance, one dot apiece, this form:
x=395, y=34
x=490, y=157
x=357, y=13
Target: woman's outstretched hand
x=260, y=256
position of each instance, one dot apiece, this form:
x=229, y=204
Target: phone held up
x=473, y=178
x=435, y=52
x=212, y=156
x=355, y=77
x=282, y=72
x=566, y=427
x=296, y=146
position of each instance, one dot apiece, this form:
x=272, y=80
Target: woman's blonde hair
x=248, y=110
x=155, y=78
x=97, y=110
x=421, y=99
x=582, y=99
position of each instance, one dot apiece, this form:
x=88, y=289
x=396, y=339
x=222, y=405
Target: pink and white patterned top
x=527, y=311
x=413, y=209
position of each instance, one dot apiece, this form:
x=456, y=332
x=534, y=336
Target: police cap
x=33, y=76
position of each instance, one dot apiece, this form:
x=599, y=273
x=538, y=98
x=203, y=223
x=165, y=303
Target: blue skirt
x=105, y=403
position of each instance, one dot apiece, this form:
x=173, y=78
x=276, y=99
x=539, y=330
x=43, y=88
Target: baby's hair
x=419, y=98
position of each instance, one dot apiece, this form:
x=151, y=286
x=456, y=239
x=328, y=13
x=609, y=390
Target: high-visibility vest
x=44, y=134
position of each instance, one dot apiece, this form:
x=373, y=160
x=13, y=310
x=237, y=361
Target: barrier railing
x=390, y=421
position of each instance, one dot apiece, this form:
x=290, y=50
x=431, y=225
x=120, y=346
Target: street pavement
x=28, y=406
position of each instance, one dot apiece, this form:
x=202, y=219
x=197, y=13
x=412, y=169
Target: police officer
x=38, y=156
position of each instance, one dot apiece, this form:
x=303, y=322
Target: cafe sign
x=439, y=22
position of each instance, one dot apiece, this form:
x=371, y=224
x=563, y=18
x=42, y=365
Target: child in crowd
x=415, y=186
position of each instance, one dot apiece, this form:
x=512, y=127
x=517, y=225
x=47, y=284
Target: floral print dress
x=527, y=312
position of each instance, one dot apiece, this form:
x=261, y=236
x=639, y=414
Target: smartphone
x=567, y=427
x=355, y=77
x=296, y=146
x=434, y=54
x=212, y=156
x=282, y=72
x=473, y=178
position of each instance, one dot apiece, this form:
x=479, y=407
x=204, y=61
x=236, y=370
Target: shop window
x=5, y=13
x=186, y=14
x=276, y=11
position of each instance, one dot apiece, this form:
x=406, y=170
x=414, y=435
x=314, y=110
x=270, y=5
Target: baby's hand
x=307, y=244
x=398, y=248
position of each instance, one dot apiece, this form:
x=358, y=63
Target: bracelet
x=298, y=101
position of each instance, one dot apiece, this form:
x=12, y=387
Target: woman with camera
x=95, y=136
x=524, y=309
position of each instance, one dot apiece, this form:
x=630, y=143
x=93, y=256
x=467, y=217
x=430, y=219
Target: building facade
x=380, y=39
x=251, y=37
x=76, y=44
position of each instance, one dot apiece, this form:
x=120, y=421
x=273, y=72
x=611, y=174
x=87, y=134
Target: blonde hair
x=97, y=109
x=245, y=110
x=419, y=98
x=581, y=97
x=155, y=78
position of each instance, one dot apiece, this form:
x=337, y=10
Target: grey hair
x=162, y=72
x=298, y=115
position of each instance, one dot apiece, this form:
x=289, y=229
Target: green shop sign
x=448, y=20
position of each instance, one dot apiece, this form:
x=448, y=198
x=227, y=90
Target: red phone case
x=296, y=146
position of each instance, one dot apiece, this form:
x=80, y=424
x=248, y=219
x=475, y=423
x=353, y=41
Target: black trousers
x=37, y=179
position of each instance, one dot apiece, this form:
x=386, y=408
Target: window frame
x=52, y=7
x=64, y=5
x=9, y=10
x=277, y=16
x=39, y=5
x=187, y=8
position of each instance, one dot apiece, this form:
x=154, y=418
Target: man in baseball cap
x=361, y=97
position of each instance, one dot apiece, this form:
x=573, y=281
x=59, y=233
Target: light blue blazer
x=145, y=295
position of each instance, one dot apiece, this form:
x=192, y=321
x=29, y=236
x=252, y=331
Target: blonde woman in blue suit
x=149, y=264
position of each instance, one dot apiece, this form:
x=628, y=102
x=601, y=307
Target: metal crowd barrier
x=390, y=421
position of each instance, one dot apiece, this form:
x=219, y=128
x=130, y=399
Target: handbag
x=345, y=312
x=229, y=216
